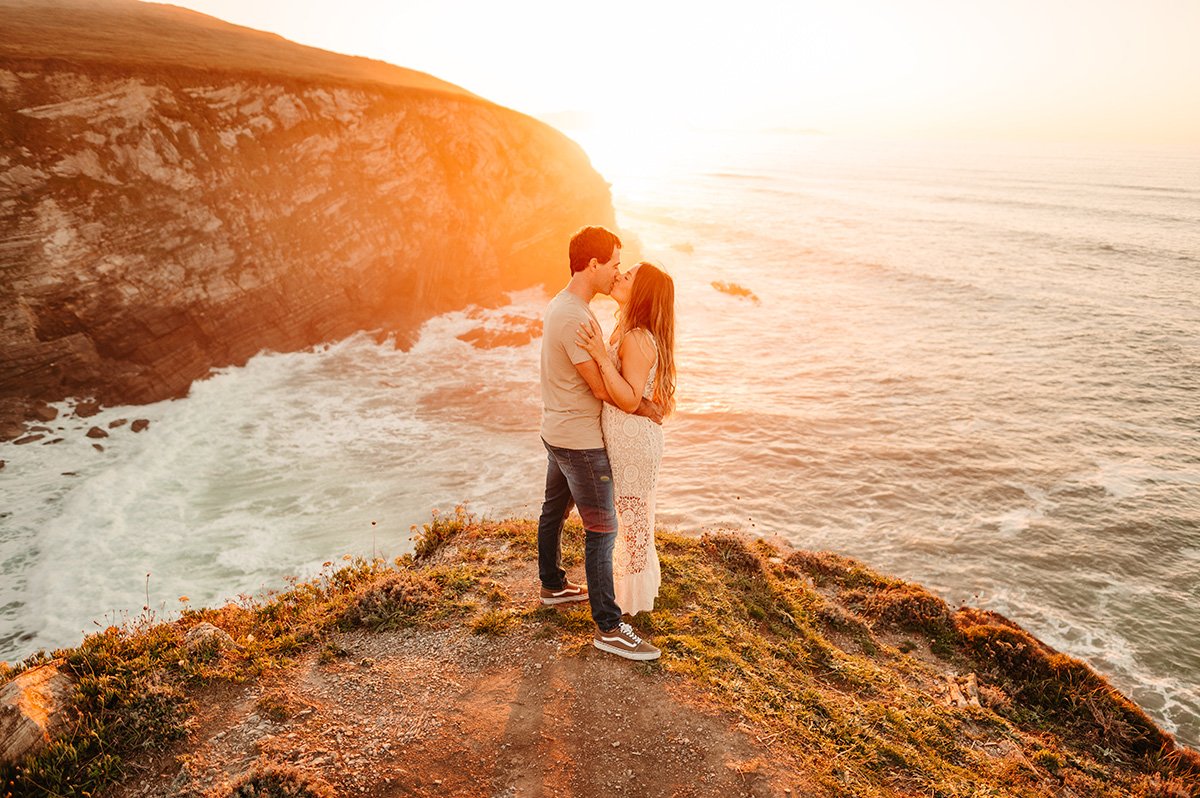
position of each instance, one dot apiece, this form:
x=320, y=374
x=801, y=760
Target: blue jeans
x=580, y=478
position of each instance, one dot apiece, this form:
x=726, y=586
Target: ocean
x=974, y=366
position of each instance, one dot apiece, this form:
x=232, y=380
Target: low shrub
x=394, y=601
x=278, y=781
x=732, y=551
x=908, y=607
x=439, y=531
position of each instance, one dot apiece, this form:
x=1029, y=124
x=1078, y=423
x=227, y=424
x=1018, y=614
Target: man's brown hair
x=592, y=242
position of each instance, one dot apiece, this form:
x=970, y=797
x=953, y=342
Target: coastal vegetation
x=846, y=678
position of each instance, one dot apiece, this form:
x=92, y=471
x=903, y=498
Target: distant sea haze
x=975, y=367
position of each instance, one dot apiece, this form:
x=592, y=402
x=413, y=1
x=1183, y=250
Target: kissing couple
x=602, y=411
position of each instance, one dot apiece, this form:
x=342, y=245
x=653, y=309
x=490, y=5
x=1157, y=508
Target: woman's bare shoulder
x=640, y=338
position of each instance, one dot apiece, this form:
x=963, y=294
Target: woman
x=639, y=362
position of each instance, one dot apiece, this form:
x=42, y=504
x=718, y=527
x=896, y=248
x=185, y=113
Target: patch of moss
x=493, y=592
x=520, y=537
x=331, y=652
x=909, y=607
x=572, y=618
x=1047, y=759
x=827, y=568
x=733, y=551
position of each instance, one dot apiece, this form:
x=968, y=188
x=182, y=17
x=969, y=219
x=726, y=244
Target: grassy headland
x=837, y=676
x=127, y=33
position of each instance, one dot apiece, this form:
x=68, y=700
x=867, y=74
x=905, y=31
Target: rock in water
x=31, y=711
x=183, y=199
x=87, y=409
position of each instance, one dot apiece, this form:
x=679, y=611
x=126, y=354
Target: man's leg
x=594, y=497
x=592, y=488
x=555, y=508
x=598, y=565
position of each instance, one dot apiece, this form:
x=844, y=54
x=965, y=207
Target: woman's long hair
x=652, y=307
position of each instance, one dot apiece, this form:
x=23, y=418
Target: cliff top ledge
x=126, y=33
x=783, y=673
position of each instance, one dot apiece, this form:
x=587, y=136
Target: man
x=577, y=471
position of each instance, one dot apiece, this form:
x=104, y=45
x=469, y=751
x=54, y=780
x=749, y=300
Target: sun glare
x=629, y=147
x=1121, y=71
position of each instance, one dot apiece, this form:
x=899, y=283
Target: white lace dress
x=635, y=447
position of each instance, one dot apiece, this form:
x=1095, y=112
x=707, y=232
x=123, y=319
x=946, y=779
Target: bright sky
x=1095, y=70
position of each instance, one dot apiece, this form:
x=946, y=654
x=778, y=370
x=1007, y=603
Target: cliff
x=783, y=673
x=178, y=194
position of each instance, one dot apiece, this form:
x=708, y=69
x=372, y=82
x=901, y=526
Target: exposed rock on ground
x=206, y=637
x=33, y=709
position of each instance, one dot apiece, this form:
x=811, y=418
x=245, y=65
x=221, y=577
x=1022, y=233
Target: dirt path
x=446, y=712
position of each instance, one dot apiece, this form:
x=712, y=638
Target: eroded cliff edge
x=158, y=220
x=784, y=673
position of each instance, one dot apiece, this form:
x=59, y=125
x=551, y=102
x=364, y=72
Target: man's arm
x=650, y=410
x=591, y=375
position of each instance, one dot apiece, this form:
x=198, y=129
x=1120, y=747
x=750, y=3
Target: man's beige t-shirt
x=570, y=413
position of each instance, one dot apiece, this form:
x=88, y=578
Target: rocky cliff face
x=158, y=222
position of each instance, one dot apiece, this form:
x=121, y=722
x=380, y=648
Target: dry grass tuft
x=277, y=781
x=734, y=551
x=440, y=531
x=493, y=623
x=394, y=601
x=911, y=608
